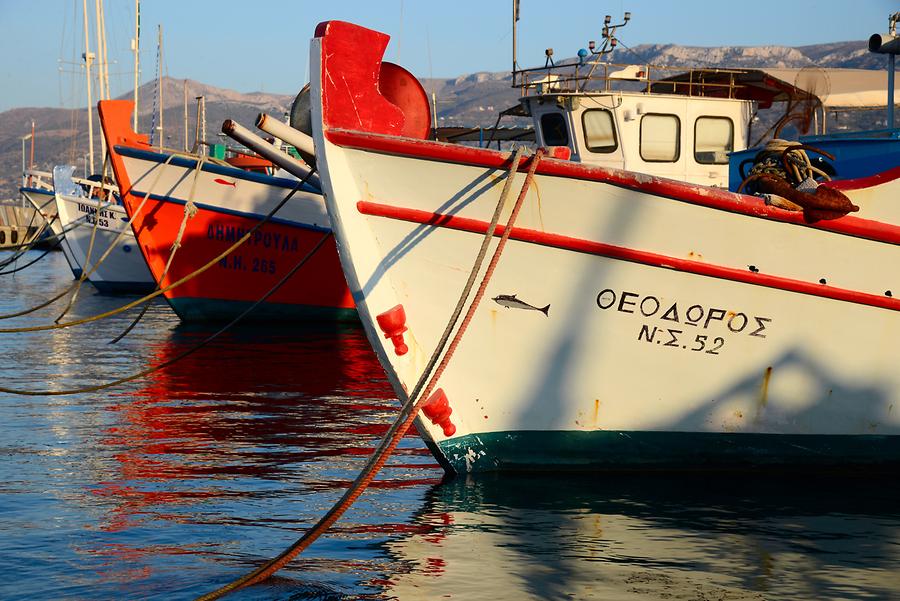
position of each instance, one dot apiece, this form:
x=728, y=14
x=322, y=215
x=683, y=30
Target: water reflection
x=260, y=404
x=589, y=537
x=219, y=446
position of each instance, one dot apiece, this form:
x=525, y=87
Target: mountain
x=470, y=100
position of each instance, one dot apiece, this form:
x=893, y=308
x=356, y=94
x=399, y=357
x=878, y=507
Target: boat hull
x=225, y=204
x=617, y=450
x=631, y=322
x=44, y=203
x=123, y=270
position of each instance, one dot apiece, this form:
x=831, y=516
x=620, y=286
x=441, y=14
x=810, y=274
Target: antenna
x=608, y=33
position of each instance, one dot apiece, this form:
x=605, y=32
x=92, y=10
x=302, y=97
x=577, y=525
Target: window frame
x=615, y=135
x=565, y=125
x=717, y=118
x=677, y=138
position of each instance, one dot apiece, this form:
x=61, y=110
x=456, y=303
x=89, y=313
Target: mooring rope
x=183, y=354
x=33, y=261
x=125, y=227
x=179, y=282
x=87, y=257
x=411, y=406
x=22, y=248
x=190, y=209
x=27, y=245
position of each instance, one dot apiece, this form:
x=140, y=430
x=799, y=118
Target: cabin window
x=599, y=131
x=713, y=140
x=660, y=138
x=554, y=130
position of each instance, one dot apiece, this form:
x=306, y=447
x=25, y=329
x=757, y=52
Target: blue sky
x=262, y=44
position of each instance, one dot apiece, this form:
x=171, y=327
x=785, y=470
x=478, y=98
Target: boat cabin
x=689, y=123
x=669, y=135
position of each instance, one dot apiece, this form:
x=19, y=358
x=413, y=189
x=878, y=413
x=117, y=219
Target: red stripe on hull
x=713, y=198
x=627, y=254
x=865, y=182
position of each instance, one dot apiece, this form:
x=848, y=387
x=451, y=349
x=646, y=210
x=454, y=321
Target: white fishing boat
x=93, y=223
x=39, y=194
x=632, y=321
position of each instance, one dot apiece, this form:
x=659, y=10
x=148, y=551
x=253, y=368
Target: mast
x=184, y=99
x=103, y=65
x=515, y=21
x=31, y=159
x=159, y=82
x=102, y=81
x=88, y=59
x=136, y=48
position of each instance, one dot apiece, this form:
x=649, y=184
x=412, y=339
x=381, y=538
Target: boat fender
x=437, y=409
x=393, y=323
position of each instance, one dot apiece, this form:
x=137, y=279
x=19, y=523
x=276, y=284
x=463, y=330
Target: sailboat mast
x=101, y=63
x=105, y=49
x=184, y=99
x=136, y=47
x=88, y=59
x=159, y=81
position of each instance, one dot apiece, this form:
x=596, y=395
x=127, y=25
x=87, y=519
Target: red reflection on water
x=258, y=404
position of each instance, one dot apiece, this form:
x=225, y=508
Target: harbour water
x=173, y=485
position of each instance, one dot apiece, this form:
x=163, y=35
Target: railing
x=603, y=77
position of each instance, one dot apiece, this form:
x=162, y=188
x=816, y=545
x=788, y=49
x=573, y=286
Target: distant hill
x=471, y=100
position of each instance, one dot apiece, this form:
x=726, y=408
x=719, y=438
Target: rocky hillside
x=469, y=100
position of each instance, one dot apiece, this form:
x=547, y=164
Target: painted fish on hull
x=511, y=302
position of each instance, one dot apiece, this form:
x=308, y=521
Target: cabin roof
x=835, y=88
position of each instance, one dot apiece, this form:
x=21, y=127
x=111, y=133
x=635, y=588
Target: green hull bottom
x=605, y=450
x=205, y=309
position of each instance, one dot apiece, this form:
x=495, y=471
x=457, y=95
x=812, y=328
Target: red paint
x=695, y=194
x=865, y=182
x=255, y=164
x=319, y=283
x=628, y=254
x=361, y=92
x=437, y=409
x=563, y=153
x=224, y=182
x=393, y=323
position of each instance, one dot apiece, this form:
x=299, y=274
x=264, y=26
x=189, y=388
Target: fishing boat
x=207, y=205
x=93, y=222
x=40, y=195
x=631, y=321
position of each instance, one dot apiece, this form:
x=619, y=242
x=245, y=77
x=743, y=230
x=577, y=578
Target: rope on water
x=186, y=278
x=181, y=355
x=411, y=406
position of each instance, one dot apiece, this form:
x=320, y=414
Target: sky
x=262, y=45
